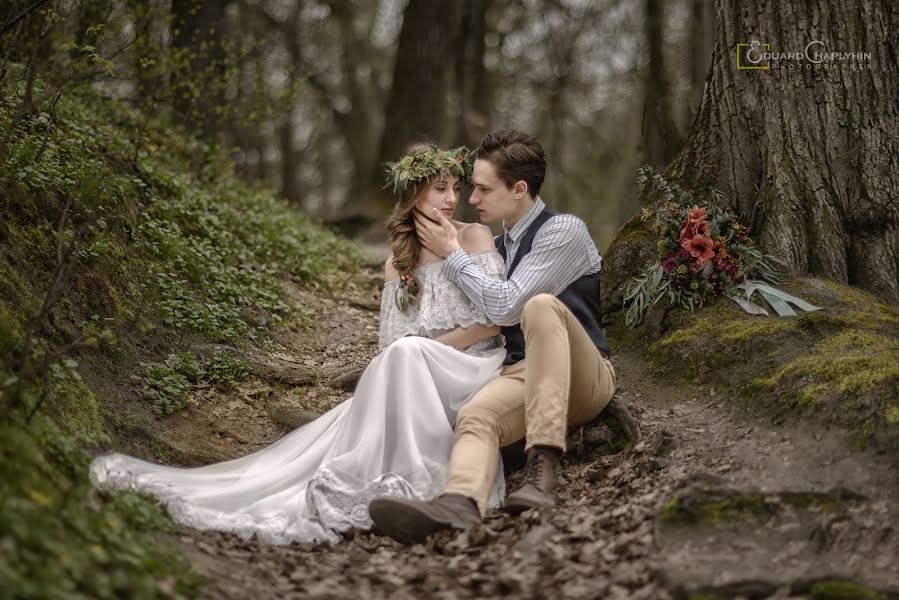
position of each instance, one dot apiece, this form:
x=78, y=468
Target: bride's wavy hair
x=401, y=223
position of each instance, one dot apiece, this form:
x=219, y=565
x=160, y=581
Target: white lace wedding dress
x=393, y=438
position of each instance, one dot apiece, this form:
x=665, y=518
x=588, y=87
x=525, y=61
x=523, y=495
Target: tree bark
x=810, y=156
x=471, y=75
x=416, y=109
x=702, y=44
x=358, y=122
x=660, y=136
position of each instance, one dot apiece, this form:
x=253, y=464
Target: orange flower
x=700, y=248
x=693, y=229
x=696, y=224
x=697, y=215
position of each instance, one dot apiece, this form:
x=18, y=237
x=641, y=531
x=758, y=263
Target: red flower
x=693, y=229
x=696, y=224
x=700, y=248
x=696, y=215
x=669, y=264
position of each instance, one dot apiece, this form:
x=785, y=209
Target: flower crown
x=414, y=168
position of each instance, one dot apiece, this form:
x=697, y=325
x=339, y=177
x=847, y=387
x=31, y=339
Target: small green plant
x=63, y=539
x=168, y=384
x=225, y=370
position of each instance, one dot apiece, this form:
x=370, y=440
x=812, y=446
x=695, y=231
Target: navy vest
x=581, y=297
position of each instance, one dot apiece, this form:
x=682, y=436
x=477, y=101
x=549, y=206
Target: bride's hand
x=436, y=233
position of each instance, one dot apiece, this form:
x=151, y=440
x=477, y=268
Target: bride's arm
x=473, y=238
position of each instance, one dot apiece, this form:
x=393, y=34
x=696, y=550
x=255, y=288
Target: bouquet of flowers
x=703, y=252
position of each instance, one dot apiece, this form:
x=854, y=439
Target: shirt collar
x=524, y=222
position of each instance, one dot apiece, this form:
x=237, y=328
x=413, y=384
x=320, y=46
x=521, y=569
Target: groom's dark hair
x=516, y=156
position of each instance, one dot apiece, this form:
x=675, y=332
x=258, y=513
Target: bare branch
x=6, y=26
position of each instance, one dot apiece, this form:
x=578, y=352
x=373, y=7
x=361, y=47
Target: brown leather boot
x=412, y=521
x=540, y=482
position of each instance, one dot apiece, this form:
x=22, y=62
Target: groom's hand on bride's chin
x=436, y=233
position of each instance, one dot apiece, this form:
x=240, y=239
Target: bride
x=394, y=436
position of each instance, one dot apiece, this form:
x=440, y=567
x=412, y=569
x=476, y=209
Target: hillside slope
x=136, y=272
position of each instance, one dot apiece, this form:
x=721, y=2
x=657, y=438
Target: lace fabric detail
x=334, y=503
x=442, y=305
x=343, y=504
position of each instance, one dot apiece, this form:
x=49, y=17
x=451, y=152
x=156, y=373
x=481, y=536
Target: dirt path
x=707, y=503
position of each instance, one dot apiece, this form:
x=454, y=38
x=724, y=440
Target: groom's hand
x=436, y=233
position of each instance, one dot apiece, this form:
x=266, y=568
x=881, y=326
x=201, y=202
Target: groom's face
x=490, y=196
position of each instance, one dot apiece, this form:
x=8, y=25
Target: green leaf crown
x=412, y=169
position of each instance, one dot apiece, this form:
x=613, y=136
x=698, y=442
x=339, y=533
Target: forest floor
x=708, y=504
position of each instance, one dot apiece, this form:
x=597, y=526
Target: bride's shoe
x=412, y=521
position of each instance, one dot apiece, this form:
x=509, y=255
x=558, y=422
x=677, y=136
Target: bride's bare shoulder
x=475, y=237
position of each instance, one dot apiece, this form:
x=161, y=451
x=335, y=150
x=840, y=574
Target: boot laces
x=533, y=470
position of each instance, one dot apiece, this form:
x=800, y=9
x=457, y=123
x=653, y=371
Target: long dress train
x=392, y=438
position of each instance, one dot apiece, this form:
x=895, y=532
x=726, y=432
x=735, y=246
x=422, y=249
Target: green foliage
x=168, y=384
x=61, y=539
x=224, y=369
x=198, y=246
x=166, y=244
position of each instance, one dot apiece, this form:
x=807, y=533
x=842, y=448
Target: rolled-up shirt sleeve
x=562, y=251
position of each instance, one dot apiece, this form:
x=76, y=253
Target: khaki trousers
x=563, y=380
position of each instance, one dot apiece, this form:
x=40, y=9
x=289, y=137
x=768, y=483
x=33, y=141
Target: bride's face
x=442, y=194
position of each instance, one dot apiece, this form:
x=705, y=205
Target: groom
x=556, y=370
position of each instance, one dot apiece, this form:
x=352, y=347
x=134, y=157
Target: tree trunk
x=416, y=109
x=660, y=136
x=701, y=45
x=471, y=75
x=809, y=155
x=358, y=123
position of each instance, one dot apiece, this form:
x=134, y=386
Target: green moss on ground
x=813, y=501
x=739, y=507
x=842, y=360
x=632, y=248
x=842, y=590
x=81, y=412
x=715, y=508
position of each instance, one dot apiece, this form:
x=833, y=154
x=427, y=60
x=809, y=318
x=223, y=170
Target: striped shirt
x=562, y=252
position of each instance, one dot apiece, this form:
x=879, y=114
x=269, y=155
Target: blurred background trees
x=312, y=97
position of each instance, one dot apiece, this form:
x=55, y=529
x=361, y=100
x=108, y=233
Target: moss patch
x=842, y=590
x=735, y=508
x=633, y=247
x=842, y=360
x=716, y=508
x=82, y=413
